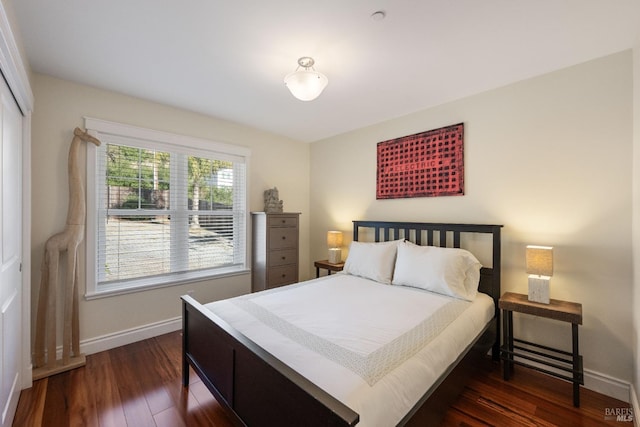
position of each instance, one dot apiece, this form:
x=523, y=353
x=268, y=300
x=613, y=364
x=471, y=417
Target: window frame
x=152, y=139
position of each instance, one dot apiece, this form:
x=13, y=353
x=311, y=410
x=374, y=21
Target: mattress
x=377, y=348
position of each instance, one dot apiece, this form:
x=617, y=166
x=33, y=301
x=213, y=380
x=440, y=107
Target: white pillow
x=447, y=271
x=373, y=261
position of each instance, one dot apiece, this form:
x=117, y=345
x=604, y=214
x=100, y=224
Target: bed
x=258, y=383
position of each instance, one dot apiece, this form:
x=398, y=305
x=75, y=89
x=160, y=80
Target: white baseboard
x=609, y=386
x=128, y=336
x=633, y=397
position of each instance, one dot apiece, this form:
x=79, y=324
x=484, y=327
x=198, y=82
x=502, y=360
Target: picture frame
x=425, y=164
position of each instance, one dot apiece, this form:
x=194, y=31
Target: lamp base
x=335, y=256
x=539, y=289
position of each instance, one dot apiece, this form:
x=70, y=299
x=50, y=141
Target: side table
x=325, y=264
x=559, y=360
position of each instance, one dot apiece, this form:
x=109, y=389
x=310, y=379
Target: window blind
x=166, y=212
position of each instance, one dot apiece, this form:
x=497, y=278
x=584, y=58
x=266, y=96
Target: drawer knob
x=284, y=238
x=284, y=257
x=284, y=275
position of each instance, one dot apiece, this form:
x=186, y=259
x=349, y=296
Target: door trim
x=14, y=70
x=13, y=66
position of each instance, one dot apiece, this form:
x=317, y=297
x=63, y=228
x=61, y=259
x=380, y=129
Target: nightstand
x=327, y=266
x=527, y=352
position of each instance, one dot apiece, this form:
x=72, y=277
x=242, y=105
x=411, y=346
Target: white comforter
x=376, y=348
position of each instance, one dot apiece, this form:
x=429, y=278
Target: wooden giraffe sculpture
x=66, y=241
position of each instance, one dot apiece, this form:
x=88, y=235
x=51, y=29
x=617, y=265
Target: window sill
x=122, y=289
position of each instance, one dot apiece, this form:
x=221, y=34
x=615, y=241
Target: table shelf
x=562, y=364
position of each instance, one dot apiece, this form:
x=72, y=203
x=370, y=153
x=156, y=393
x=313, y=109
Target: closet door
x=11, y=328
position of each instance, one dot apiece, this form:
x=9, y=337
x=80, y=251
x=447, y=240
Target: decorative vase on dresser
x=274, y=260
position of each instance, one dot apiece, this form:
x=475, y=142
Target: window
x=162, y=209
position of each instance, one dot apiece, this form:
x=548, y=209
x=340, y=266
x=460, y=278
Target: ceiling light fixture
x=305, y=83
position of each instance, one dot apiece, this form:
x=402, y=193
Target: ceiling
x=228, y=58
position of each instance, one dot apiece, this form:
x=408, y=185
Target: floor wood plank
x=169, y=418
x=104, y=390
x=56, y=408
x=140, y=385
x=31, y=405
x=127, y=359
x=82, y=407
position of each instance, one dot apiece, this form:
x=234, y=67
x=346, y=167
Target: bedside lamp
x=334, y=241
x=540, y=270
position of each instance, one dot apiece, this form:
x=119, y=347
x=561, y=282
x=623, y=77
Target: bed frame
x=257, y=389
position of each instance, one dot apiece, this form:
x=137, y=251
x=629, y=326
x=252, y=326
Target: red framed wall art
x=426, y=164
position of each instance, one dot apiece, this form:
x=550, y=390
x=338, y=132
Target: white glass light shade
x=306, y=85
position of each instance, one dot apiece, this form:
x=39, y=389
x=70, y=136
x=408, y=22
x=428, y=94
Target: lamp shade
x=540, y=260
x=334, y=239
x=306, y=83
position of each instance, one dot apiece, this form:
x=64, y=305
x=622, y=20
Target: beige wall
x=61, y=105
x=550, y=159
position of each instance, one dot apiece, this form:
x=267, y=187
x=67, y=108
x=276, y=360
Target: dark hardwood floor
x=139, y=385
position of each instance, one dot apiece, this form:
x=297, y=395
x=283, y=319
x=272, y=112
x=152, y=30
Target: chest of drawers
x=274, y=260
